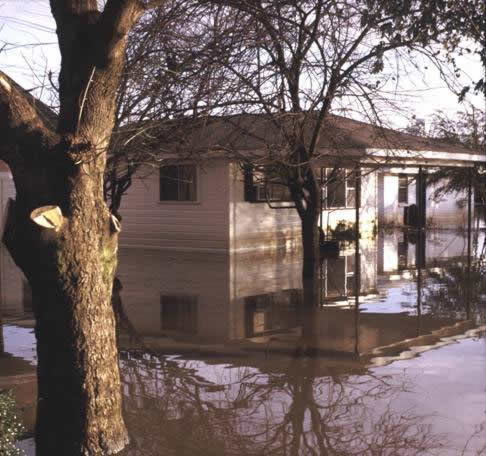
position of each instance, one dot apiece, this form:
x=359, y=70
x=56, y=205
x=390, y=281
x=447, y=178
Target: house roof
x=340, y=136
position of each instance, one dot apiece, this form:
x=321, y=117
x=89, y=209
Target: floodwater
x=220, y=355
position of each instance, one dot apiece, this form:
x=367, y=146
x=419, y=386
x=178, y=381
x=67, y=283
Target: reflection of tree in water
x=458, y=290
x=171, y=409
x=453, y=291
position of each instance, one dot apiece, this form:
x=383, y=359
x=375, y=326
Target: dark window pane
x=402, y=255
x=250, y=188
x=260, y=186
x=351, y=197
x=179, y=313
x=178, y=183
x=336, y=189
x=271, y=312
x=169, y=183
x=274, y=192
x=351, y=179
x=403, y=189
x=188, y=183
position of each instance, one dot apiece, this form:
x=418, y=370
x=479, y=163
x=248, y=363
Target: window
x=402, y=250
x=261, y=186
x=178, y=183
x=179, y=313
x=340, y=189
x=272, y=312
x=403, y=188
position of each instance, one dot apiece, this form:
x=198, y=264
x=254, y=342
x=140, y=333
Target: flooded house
x=208, y=202
x=213, y=204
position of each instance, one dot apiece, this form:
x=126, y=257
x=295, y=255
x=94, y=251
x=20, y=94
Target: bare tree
x=288, y=64
x=167, y=86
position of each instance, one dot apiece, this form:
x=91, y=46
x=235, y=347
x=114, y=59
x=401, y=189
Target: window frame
x=403, y=188
x=258, y=192
x=349, y=182
x=180, y=181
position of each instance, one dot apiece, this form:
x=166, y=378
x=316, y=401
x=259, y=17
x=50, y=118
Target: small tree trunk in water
x=305, y=191
x=311, y=258
x=311, y=247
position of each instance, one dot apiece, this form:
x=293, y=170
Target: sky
x=30, y=51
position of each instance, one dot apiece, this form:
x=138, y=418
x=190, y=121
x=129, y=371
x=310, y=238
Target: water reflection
x=243, y=304
x=225, y=355
x=179, y=407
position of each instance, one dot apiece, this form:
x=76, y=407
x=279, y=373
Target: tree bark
x=69, y=259
x=306, y=194
x=310, y=245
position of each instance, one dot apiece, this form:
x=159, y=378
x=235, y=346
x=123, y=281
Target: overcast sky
x=27, y=31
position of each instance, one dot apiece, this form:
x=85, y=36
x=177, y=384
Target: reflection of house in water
x=271, y=313
x=15, y=294
x=404, y=250
x=239, y=304
x=236, y=304
x=225, y=298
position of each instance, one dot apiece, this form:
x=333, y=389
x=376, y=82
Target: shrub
x=10, y=425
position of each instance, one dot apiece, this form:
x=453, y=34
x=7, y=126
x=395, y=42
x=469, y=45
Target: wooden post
x=320, y=200
x=357, y=265
x=469, y=225
x=419, y=297
x=421, y=198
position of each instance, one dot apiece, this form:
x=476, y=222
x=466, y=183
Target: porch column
x=421, y=198
x=321, y=205
x=422, y=214
x=469, y=228
x=357, y=262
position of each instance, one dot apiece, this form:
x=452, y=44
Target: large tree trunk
x=60, y=233
x=70, y=269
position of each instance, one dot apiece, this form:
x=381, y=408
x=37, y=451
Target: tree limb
x=63, y=10
x=23, y=121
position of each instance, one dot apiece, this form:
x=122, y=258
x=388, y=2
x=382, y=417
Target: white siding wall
x=7, y=190
x=11, y=279
x=203, y=225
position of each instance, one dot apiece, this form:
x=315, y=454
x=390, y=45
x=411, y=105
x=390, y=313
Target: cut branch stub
x=48, y=217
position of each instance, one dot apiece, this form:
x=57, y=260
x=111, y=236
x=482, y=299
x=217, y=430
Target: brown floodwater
x=223, y=355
